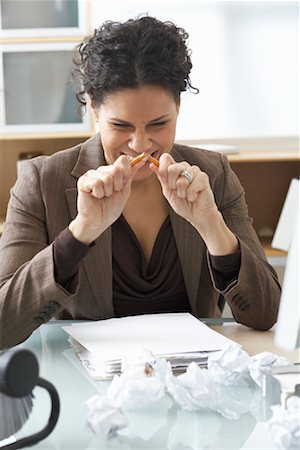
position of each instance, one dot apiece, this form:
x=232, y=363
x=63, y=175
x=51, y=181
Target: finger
x=200, y=184
x=117, y=175
x=175, y=179
x=107, y=183
x=114, y=176
x=182, y=185
x=86, y=182
x=92, y=183
x=164, y=162
x=188, y=186
x=191, y=194
x=128, y=171
x=98, y=189
x=84, y=186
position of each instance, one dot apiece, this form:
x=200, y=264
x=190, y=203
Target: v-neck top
x=138, y=287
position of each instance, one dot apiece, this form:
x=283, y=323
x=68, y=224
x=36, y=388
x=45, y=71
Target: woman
x=89, y=235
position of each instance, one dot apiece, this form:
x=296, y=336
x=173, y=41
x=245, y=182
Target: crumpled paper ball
x=104, y=416
x=140, y=386
x=228, y=365
x=262, y=363
x=196, y=390
x=284, y=425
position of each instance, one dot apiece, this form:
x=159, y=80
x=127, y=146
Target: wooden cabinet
x=10, y=150
x=266, y=177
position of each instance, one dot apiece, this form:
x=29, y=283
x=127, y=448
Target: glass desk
x=165, y=426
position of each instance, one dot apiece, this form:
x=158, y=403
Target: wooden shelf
x=270, y=251
x=264, y=156
x=32, y=40
x=46, y=136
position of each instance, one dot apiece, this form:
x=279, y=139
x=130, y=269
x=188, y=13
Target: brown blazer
x=42, y=204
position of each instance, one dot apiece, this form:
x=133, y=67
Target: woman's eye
x=127, y=125
x=158, y=124
x=121, y=125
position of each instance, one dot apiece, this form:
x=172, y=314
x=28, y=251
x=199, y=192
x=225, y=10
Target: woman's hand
x=102, y=195
x=192, y=198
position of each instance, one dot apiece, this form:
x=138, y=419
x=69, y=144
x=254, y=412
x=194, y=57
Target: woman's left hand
x=187, y=190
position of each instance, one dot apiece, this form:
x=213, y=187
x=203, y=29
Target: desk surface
x=254, y=341
x=166, y=426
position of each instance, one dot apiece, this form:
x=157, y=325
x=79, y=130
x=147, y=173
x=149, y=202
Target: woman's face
x=133, y=121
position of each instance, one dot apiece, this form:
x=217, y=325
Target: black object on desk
x=19, y=374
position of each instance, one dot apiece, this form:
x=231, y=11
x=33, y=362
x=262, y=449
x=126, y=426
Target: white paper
x=174, y=333
x=284, y=426
x=134, y=390
x=229, y=365
x=262, y=364
x=104, y=416
x=198, y=390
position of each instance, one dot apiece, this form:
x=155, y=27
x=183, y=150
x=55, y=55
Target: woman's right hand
x=102, y=195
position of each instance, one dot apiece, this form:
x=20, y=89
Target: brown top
x=139, y=288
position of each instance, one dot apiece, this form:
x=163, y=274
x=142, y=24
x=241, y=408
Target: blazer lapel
x=99, y=259
x=191, y=249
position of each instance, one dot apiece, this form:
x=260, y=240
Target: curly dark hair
x=131, y=54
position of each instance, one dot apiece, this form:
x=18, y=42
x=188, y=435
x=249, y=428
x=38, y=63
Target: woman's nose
x=139, y=142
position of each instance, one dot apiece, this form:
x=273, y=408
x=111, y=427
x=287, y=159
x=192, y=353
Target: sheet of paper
x=170, y=333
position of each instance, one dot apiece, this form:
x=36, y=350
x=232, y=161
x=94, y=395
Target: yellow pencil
x=153, y=160
x=145, y=156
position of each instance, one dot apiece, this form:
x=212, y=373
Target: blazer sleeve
x=254, y=297
x=29, y=294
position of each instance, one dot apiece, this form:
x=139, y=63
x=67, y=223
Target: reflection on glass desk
x=165, y=426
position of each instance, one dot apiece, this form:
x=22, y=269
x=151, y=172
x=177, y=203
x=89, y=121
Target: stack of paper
x=178, y=337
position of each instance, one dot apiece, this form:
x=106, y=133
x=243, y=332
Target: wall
x=245, y=57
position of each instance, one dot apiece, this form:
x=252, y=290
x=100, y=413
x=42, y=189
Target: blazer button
x=38, y=320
